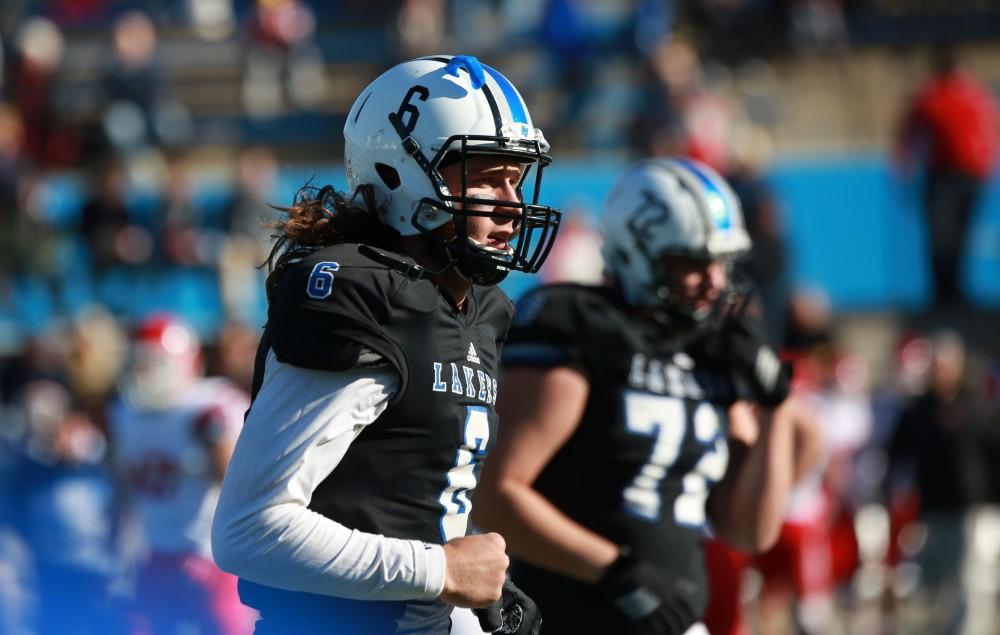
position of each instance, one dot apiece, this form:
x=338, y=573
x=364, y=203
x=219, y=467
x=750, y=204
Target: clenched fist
x=476, y=567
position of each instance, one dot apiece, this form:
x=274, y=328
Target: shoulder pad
x=337, y=280
x=329, y=306
x=565, y=324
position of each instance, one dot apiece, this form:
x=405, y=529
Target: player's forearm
x=807, y=438
x=263, y=529
x=290, y=547
x=538, y=533
x=750, y=508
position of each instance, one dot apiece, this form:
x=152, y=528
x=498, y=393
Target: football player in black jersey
x=346, y=503
x=638, y=414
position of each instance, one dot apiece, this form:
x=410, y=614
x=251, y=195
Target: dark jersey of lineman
x=650, y=443
x=410, y=473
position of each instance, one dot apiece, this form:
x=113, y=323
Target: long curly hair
x=320, y=217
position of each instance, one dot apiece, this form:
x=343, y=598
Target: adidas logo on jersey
x=471, y=356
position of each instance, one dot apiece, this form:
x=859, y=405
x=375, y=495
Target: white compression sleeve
x=299, y=428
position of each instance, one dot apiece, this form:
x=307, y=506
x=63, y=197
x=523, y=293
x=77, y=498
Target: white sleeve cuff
x=435, y=565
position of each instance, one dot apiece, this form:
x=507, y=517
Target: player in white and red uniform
x=172, y=433
x=817, y=549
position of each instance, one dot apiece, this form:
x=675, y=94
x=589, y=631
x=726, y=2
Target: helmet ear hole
x=388, y=174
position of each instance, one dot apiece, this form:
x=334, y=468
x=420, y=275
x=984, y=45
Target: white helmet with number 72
x=668, y=207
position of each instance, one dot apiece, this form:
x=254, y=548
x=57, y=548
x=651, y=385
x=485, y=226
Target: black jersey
x=411, y=472
x=650, y=443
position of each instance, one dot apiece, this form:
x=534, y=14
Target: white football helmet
x=437, y=110
x=164, y=360
x=668, y=207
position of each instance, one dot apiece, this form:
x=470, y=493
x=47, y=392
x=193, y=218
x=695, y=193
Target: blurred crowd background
x=143, y=144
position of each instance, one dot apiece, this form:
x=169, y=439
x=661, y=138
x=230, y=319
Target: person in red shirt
x=951, y=129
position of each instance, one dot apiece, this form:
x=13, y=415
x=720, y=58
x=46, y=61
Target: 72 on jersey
x=462, y=478
x=666, y=419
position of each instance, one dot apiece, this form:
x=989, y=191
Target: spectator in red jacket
x=950, y=129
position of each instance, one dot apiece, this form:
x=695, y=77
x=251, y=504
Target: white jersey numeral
x=666, y=419
x=463, y=476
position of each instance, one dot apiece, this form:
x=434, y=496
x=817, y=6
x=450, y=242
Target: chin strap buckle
x=411, y=146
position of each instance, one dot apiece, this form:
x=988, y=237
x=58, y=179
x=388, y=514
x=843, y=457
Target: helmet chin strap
x=475, y=270
x=459, y=251
x=674, y=316
x=466, y=265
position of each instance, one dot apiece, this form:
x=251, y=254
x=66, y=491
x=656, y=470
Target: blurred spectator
x=943, y=450
x=248, y=212
x=735, y=29
x=950, y=131
x=698, y=120
x=132, y=84
x=421, y=27
x=656, y=127
x=817, y=552
x=245, y=219
x=234, y=355
x=12, y=139
x=727, y=567
x=184, y=238
x=212, y=19
x=172, y=433
x=66, y=502
x=284, y=68
x=906, y=379
x=96, y=354
x=672, y=69
x=12, y=135
x=563, y=34
x=137, y=110
x=76, y=13
x=62, y=498
x=766, y=265
x=105, y=225
x=34, y=361
x=653, y=23
x=17, y=600
x=29, y=245
x=576, y=254
x=49, y=140
x=808, y=323
x=818, y=25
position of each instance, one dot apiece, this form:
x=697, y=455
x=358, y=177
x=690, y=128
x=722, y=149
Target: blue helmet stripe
x=517, y=111
x=721, y=218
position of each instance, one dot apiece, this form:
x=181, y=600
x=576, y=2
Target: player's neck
x=454, y=287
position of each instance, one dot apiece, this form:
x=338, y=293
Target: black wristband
x=624, y=563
